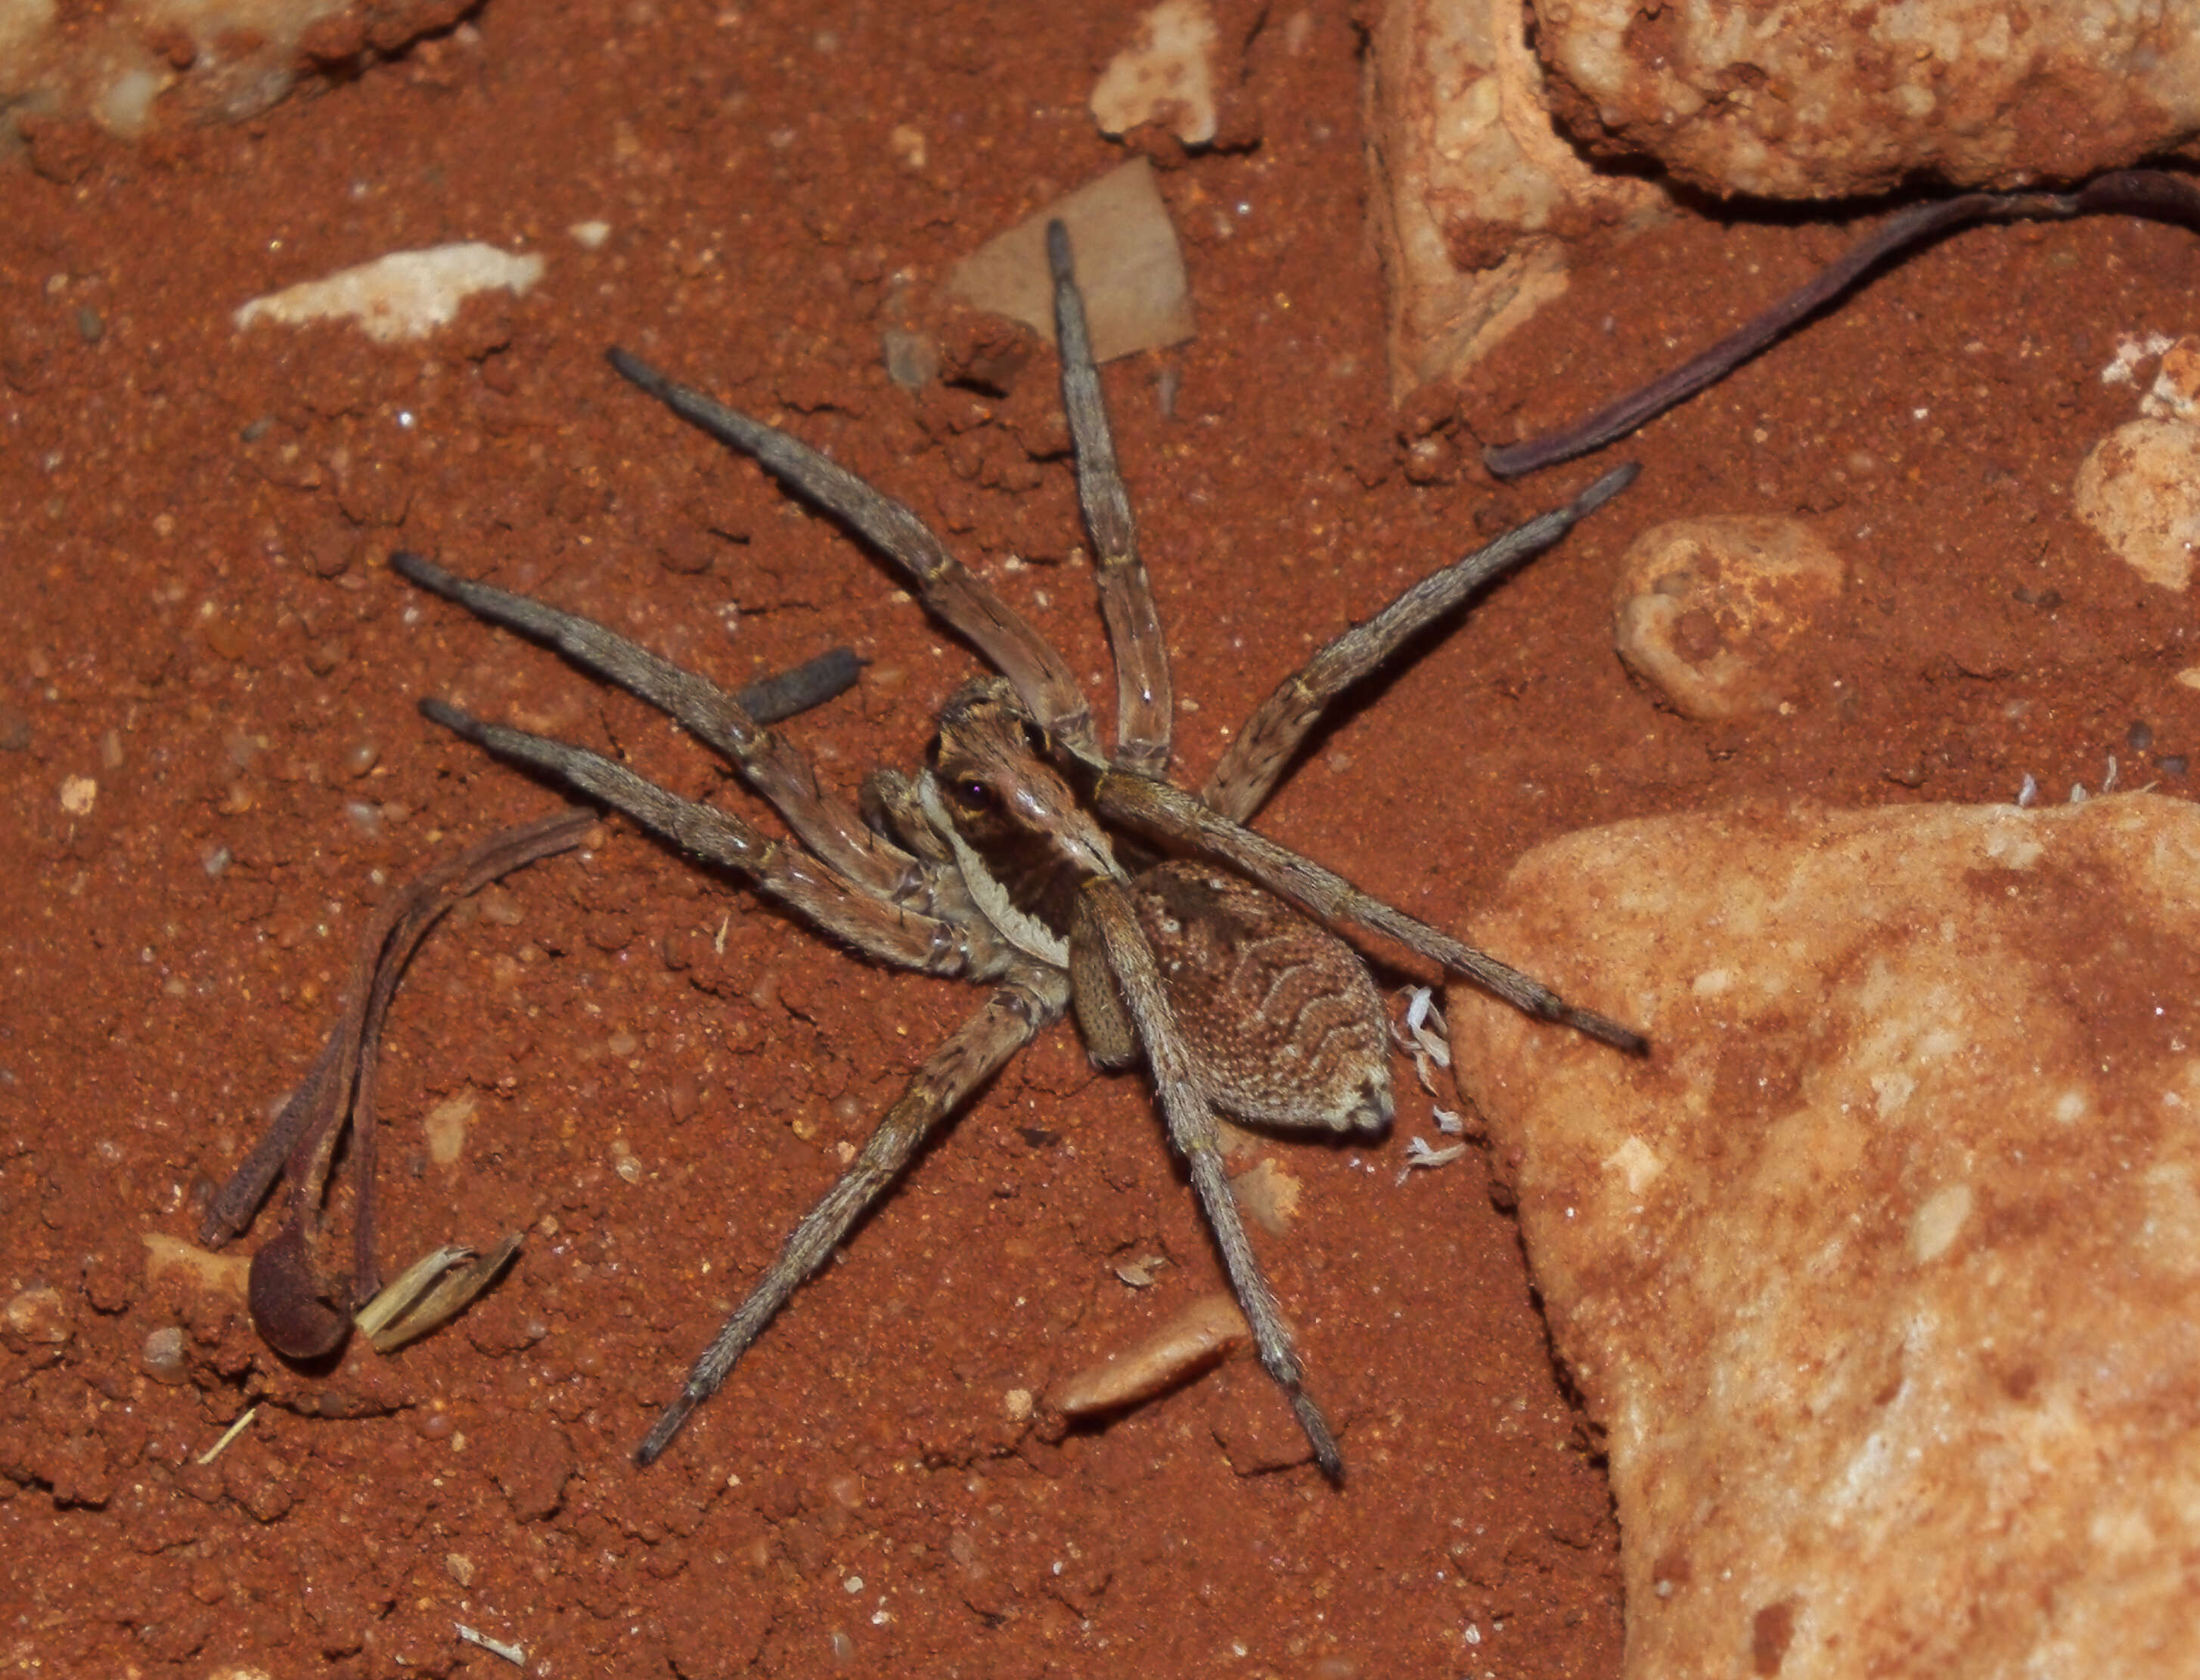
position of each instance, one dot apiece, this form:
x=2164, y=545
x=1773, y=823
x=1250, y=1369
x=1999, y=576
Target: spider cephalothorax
x=1028, y=858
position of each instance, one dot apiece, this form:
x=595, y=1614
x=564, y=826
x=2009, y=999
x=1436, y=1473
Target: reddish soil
x=202, y=624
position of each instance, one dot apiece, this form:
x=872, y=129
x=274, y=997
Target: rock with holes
x=1831, y=98
x=1883, y=1272
x=1714, y=612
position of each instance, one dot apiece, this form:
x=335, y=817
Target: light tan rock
x=1709, y=611
x=1829, y=98
x=405, y=295
x=2139, y=489
x=1167, y=76
x=1883, y=1273
x=1475, y=190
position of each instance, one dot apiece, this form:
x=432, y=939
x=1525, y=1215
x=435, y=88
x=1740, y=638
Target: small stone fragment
x=1137, y=295
x=1835, y=98
x=1707, y=610
x=445, y=1126
x=78, y=795
x=217, y=1274
x=405, y=295
x=2139, y=488
x=1881, y=1271
x=38, y=1316
x=912, y=359
x=2175, y=393
x=1188, y=1342
x=1268, y=1195
x=1167, y=76
x=165, y=1355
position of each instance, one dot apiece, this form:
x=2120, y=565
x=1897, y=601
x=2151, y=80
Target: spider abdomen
x=1279, y=1014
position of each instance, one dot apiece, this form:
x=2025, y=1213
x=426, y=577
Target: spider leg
x=891, y=933
x=1144, y=703
x=1248, y=773
x=769, y=764
x=1106, y=914
x=1031, y=998
x=1161, y=812
x=949, y=590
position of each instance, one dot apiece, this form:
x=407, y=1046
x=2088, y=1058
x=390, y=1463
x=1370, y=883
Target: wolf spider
x=1027, y=859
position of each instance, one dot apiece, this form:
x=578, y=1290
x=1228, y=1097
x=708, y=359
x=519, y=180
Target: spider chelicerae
x=1029, y=859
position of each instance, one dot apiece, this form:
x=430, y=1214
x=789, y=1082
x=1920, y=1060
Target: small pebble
x=2140, y=736
x=38, y=1316
x=361, y=757
x=164, y=1356
x=683, y=1095
x=912, y=359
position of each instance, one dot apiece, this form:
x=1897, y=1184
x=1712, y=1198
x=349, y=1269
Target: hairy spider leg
x=768, y=762
x=1025, y=1004
x=951, y=591
x=1188, y=1105
x=1248, y=771
x=1161, y=812
x=892, y=933
x=1144, y=704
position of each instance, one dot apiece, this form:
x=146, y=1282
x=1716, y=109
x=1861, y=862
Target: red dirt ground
x=196, y=524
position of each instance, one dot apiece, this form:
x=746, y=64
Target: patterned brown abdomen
x=1278, y=1013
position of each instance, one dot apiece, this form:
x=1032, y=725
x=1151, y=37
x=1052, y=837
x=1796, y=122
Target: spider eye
x=973, y=795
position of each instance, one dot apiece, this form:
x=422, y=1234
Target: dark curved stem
x=2137, y=192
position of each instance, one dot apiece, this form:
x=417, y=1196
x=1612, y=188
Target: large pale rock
x=1827, y=99
x=1883, y=1273
x=1476, y=192
x=117, y=65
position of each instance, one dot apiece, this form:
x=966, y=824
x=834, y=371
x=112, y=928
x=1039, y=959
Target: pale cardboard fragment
x=1883, y=1273
x=1137, y=295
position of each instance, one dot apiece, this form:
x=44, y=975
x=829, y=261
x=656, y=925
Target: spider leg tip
x=1601, y=1028
x=453, y=718
x=631, y=367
